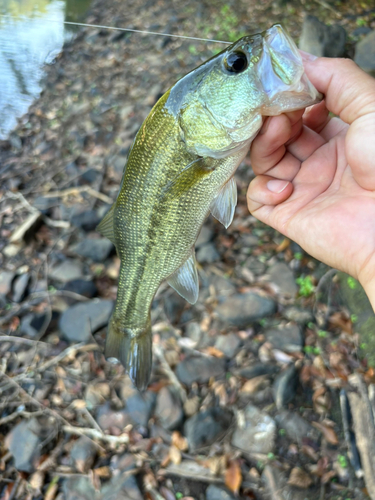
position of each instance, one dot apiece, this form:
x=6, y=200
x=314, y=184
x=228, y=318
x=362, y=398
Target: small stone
x=255, y=266
x=83, y=454
x=87, y=288
x=284, y=386
x=174, y=306
x=258, y=369
x=275, y=482
x=322, y=40
x=243, y=309
x=205, y=427
x=79, y=488
x=20, y=285
x=228, y=344
x=67, y=270
x=282, y=276
x=168, y=409
x=193, y=331
x=87, y=220
x=296, y=427
x=205, y=236
x=365, y=53
x=44, y=203
x=77, y=323
x=109, y=418
x=6, y=279
x=288, y=338
x=214, y=492
x=24, y=444
x=96, y=249
x=300, y=316
x=223, y=287
x=140, y=406
x=200, y=369
x=32, y=324
x=258, y=433
x=207, y=254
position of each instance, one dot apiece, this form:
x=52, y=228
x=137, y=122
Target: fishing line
x=115, y=28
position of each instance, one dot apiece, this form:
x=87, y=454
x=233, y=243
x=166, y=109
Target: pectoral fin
x=223, y=206
x=185, y=280
x=105, y=228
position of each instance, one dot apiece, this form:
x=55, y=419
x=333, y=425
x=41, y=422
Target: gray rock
x=44, y=204
x=277, y=488
x=228, y=344
x=96, y=249
x=284, y=386
x=243, y=309
x=193, y=331
x=206, y=427
x=259, y=433
x=20, y=285
x=67, y=270
x=140, y=406
x=214, y=492
x=32, y=324
x=365, y=53
x=83, y=454
x=255, y=266
x=300, y=316
x=205, y=236
x=223, y=287
x=78, y=322
x=24, y=444
x=80, y=488
x=6, y=278
x=257, y=370
x=282, y=276
x=200, y=369
x=322, y=40
x=168, y=409
x=86, y=220
x=87, y=288
x=361, y=30
x=288, y=338
x=296, y=427
x=109, y=418
x=174, y=306
x=207, y=254
x=248, y=240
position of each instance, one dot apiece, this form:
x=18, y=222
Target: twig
x=65, y=353
x=327, y=6
x=21, y=340
x=94, y=434
x=83, y=189
x=24, y=414
x=92, y=420
x=169, y=372
x=15, y=488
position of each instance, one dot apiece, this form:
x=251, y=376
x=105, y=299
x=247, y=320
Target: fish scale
x=181, y=167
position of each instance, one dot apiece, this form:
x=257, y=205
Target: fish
x=181, y=168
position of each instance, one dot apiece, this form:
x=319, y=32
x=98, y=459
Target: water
x=28, y=41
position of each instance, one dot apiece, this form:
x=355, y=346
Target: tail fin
x=134, y=349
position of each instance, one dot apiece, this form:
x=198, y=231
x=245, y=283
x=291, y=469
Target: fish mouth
x=282, y=74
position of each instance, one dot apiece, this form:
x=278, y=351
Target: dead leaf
x=328, y=433
x=233, y=476
x=37, y=481
x=299, y=478
x=104, y=472
x=213, y=351
x=79, y=404
x=179, y=441
x=175, y=455
x=283, y=245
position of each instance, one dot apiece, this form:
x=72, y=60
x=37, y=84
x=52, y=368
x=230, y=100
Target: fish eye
x=236, y=62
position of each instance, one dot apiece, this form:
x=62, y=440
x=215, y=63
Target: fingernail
x=307, y=57
x=265, y=125
x=277, y=186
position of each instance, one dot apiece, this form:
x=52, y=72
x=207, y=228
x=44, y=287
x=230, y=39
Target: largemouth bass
x=181, y=167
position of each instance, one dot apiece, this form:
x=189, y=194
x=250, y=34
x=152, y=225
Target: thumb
x=349, y=91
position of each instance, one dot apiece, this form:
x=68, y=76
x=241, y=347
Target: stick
x=83, y=189
x=94, y=434
x=25, y=414
x=172, y=377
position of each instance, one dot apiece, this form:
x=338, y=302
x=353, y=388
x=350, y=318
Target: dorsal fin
x=185, y=280
x=105, y=228
x=223, y=206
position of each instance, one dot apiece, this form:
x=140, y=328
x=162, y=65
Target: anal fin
x=223, y=206
x=185, y=280
x=105, y=228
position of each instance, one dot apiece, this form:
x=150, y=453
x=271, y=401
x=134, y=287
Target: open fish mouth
x=282, y=74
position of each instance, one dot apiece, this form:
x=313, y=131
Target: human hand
x=315, y=175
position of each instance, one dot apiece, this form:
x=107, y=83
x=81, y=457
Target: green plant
x=179, y=495
x=352, y=283
x=306, y=287
x=342, y=461
x=298, y=255
x=322, y=333
x=353, y=318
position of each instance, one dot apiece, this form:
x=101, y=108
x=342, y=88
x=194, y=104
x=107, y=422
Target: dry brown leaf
x=214, y=351
x=179, y=441
x=79, y=404
x=104, y=472
x=283, y=245
x=299, y=478
x=36, y=481
x=216, y=464
x=233, y=476
x=328, y=433
x=328, y=476
x=175, y=455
